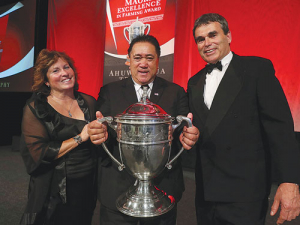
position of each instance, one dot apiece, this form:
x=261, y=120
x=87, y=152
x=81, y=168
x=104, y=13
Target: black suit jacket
x=113, y=99
x=248, y=125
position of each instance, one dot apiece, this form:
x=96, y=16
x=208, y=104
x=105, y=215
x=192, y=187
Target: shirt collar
x=137, y=86
x=226, y=60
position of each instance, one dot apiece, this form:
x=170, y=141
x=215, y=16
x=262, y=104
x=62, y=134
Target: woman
x=55, y=145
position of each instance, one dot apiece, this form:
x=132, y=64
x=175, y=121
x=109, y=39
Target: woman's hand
x=97, y=131
x=84, y=133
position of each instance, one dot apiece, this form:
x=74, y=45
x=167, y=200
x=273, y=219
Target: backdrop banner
x=258, y=28
x=78, y=30
x=126, y=19
x=17, y=27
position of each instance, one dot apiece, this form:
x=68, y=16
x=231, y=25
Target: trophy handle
x=126, y=28
x=147, y=25
x=189, y=123
x=109, y=120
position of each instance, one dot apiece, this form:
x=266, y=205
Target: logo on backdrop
x=136, y=29
x=9, y=67
x=17, y=26
x=126, y=19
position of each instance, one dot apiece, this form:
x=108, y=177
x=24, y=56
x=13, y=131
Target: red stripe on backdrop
x=78, y=28
x=266, y=28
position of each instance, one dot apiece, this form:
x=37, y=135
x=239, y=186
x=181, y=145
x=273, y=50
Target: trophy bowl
x=144, y=133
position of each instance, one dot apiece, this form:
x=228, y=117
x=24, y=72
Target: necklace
x=69, y=111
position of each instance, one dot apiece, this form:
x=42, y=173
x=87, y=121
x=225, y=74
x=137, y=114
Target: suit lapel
x=196, y=96
x=128, y=91
x=227, y=91
x=157, y=90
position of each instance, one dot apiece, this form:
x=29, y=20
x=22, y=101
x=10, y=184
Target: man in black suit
x=114, y=98
x=245, y=122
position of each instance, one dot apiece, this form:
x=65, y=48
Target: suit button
x=235, y=116
x=228, y=148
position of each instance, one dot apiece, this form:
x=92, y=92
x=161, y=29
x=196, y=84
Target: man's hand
x=97, y=131
x=288, y=197
x=189, y=136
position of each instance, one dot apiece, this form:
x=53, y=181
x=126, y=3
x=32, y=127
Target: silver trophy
x=144, y=132
x=136, y=29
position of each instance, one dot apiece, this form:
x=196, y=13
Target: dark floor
x=13, y=192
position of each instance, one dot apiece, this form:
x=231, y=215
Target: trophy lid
x=145, y=108
x=137, y=23
x=144, y=111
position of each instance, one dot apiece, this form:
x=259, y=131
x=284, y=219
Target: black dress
x=61, y=191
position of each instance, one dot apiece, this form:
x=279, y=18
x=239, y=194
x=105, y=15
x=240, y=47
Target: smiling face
x=213, y=44
x=60, y=76
x=143, y=62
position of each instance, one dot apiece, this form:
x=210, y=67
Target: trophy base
x=144, y=200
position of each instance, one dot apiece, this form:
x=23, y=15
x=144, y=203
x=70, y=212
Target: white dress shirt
x=213, y=80
x=139, y=90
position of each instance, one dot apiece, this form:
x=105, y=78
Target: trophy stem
x=144, y=200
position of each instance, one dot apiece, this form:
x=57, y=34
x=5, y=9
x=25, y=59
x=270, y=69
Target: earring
x=48, y=85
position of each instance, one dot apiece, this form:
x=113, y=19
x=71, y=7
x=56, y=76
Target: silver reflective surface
x=144, y=132
x=144, y=149
x=145, y=161
x=144, y=200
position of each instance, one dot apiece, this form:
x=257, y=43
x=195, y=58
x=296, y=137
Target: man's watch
x=78, y=139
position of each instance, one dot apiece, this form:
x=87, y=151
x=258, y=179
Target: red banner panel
x=77, y=28
x=126, y=19
x=266, y=28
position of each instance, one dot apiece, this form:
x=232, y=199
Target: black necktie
x=211, y=66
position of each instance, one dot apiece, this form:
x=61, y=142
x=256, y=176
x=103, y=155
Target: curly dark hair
x=44, y=61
